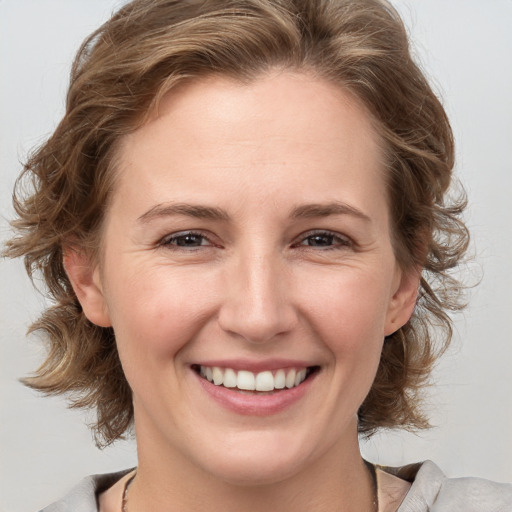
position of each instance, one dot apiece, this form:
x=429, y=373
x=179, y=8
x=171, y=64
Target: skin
x=271, y=278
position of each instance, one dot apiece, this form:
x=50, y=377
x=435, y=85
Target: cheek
x=155, y=312
x=349, y=317
x=349, y=308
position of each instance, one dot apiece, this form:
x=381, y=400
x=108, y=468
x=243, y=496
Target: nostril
x=255, y=328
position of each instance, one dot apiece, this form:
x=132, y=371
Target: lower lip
x=256, y=404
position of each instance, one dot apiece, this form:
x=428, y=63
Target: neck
x=337, y=481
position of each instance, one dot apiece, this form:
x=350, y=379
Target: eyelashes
x=186, y=240
x=317, y=239
x=324, y=240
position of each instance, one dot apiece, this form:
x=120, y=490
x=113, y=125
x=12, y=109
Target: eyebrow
x=189, y=210
x=307, y=211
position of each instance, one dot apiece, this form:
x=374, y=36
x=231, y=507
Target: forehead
x=271, y=98
x=282, y=129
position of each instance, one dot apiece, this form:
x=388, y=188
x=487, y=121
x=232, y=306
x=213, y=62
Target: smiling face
x=247, y=246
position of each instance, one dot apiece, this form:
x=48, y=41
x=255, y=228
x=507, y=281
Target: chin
x=263, y=460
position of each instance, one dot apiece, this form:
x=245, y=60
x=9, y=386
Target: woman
x=241, y=218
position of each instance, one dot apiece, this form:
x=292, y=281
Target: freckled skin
x=258, y=283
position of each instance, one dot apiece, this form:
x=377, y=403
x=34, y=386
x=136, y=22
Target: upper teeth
x=262, y=381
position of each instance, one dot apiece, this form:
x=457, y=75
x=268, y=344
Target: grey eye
x=186, y=240
x=189, y=240
x=320, y=240
x=324, y=239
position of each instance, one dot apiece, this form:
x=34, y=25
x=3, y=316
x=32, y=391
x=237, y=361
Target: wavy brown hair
x=147, y=48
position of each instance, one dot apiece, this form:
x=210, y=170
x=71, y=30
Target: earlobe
x=85, y=279
x=402, y=303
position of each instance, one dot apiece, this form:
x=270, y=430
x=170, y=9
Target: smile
x=265, y=381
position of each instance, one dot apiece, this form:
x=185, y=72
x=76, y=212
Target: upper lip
x=255, y=366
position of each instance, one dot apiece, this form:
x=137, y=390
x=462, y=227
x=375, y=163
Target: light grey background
x=467, y=46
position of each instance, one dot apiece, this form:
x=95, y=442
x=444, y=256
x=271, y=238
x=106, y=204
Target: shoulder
x=84, y=496
x=432, y=491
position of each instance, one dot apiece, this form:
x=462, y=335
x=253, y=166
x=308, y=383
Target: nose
x=257, y=303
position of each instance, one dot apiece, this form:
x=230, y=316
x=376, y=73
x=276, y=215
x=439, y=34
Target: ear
x=403, y=301
x=85, y=279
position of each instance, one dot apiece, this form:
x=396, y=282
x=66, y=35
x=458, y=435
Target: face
x=248, y=272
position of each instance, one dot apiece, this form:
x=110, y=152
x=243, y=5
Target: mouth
x=247, y=382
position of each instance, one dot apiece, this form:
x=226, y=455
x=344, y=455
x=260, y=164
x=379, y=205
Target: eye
x=324, y=240
x=185, y=240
